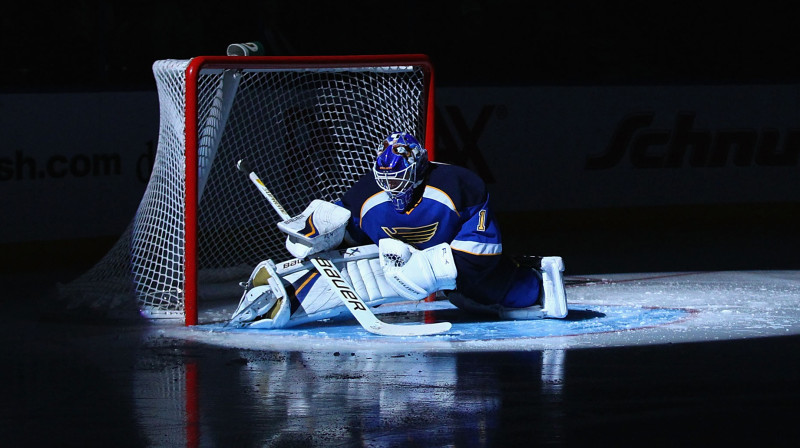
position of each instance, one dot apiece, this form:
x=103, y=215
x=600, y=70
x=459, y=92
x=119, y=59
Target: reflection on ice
x=321, y=398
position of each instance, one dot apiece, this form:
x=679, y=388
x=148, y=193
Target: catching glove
x=416, y=274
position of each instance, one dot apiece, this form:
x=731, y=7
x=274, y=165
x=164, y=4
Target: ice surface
x=573, y=380
x=608, y=310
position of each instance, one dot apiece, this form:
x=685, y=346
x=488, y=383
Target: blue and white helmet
x=400, y=168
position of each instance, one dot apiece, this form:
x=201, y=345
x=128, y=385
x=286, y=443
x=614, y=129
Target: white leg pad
x=264, y=299
x=555, y=298
x=367, y=278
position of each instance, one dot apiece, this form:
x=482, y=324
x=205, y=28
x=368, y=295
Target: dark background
x=99, y=46
x=710, y=394
x=112, y=45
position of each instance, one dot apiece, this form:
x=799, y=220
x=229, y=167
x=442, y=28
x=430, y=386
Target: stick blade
x=386, y=329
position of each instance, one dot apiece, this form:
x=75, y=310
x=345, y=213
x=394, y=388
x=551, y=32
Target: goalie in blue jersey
x=421, y=228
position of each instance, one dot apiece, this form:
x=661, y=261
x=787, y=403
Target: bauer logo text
x=330, y=271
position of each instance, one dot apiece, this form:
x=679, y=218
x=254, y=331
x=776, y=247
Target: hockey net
x=309, y=126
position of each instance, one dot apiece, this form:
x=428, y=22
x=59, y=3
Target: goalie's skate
x=255, y=302
x=554, y=300
x=494, y=309
x=263, y=300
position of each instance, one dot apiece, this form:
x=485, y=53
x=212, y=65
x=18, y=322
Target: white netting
x=309, y=133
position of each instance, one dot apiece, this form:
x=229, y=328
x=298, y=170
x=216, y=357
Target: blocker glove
x=416, y=274
x=320, y=227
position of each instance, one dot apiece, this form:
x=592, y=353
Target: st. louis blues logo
x=412, y=235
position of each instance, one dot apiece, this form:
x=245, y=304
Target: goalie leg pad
x=317, y=301
x=367, y=278
x=302, y=296
x=553, y=302
x=264, y=303
x=555, y=298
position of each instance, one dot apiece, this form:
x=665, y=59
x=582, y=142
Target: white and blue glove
x=416, y=274
x=320, y=227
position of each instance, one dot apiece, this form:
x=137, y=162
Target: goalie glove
x=320, y=227
x=416, y=274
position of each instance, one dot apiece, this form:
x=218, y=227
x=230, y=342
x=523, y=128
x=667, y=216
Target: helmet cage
x=400, y=168
x=399, y=185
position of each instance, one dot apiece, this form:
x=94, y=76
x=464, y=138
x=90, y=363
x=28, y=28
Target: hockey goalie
x=406, y=230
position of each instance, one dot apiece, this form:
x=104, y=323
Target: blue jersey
x=452, y=208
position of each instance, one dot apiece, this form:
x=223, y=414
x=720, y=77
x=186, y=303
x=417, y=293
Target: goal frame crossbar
x=201, y=63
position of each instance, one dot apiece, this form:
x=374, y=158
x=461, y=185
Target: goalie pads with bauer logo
x=292, y=293
x=320, y=227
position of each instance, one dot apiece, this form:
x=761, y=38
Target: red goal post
x=309, y=125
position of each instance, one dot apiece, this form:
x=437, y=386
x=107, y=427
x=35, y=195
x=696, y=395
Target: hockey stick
x=336, y=256
x=333, y=276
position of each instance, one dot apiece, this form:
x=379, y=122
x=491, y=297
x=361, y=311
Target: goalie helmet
x=400, y=168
